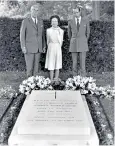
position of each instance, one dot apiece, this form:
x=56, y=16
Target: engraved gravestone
x=49, y=118
x=55, y=114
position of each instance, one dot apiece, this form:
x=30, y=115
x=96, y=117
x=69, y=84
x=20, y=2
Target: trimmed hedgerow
x=100, y=57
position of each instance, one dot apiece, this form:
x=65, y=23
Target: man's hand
x=24, y=50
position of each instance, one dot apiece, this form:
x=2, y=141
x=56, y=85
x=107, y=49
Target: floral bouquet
x=107, y=91
x=35, y=83
x=84, y=84
x=87, y=85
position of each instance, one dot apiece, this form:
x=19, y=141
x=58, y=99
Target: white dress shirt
x=34, y=20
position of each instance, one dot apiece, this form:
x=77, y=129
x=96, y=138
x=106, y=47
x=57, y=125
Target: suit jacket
x=31, y=36
x=78, y=39
x=60, y=35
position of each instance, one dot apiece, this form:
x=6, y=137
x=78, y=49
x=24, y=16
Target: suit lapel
x=33, y=24
x=81, y=24
x=40, y=24
x=75, y=26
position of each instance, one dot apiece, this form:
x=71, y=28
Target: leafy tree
x=62, y=8
x=13, y=8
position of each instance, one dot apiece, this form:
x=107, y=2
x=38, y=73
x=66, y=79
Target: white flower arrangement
x=86, y=85
x=34, y=83
x=108, y=92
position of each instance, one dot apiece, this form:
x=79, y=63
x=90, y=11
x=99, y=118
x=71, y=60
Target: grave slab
x=61, y=139
x=54, y=113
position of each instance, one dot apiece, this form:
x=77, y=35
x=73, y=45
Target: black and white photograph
x=57, y=73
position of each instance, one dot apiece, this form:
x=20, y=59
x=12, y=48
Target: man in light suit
x=78, y=33
x=32, y=39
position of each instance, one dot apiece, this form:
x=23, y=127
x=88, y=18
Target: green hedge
x=100, y=57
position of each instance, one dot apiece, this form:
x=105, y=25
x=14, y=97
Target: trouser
x=32, y=63
x=82, y=62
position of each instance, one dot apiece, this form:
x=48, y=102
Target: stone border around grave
x=102, y=125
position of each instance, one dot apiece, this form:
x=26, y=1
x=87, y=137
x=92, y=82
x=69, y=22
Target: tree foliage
x=21, y=8
x=61, y=8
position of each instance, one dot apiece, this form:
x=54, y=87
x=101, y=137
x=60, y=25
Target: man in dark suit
x=32, y=39
x=78, y=33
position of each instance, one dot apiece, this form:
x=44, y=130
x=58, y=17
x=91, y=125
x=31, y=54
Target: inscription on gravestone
x=63, y=115
x=43, y=106
x=54, y=111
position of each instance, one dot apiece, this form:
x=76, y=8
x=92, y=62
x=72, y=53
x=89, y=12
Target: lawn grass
x=15, y=78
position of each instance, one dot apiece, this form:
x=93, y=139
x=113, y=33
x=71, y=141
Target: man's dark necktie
x=36, y=24
x=78, y=24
